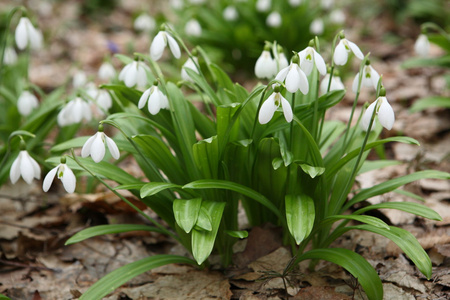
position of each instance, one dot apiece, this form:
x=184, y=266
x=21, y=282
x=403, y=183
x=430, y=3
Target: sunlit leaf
x=300, y=215
x=186, y=212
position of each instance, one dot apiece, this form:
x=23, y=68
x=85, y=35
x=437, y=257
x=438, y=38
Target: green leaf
x=300, y=215
x=202, y=240
x=73, y=143
x=206, y=155
x=424, y=103
x=311, y=170
x=116, y=278
x=409, y=207
x=409, y=194
x=131, y=186
x=363, y=219
x=204, y=220
x=153, y=188
x=3, y=297
x=353, y=263
x=186, y=212
x=240, y=234
x=370, y=165
x=108, y=229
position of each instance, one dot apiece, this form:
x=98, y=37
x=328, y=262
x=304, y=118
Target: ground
x=35, y=264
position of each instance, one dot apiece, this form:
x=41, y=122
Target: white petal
x=365, y=121
x=304, y=85
x=422, y=45
x=267, y=110
x=154, y=102
x=14, y=173
x=49, y=179
x=355, y=49
x=26, y=103
x=36, y=168
x=35, y=36
x=86, y=150
x=375, y=77
x=282, y=74
x=130, y=76
x=320, y=63
x=87, y=113
x=144, y=98
x=324, y=84
x=21, y=34
x=386, y=114
x=26, y=167
x=113, y=149
x=307, y=66
x=106, y=71
x=340, y=54
x=141, y=76
x=157, y=46
x=264, y=66
x=287, y=110
x=293, y=80
x=173, y=45
x=98, y=148
x=282, y=61
x=124, y=71
x=355, y=83
x=69, y=180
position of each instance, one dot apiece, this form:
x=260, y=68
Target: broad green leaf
x=224, y=116
x=3, y=297
x=410, y=207
x=108, y=229
x=116, y=278
x=363, y=219
x=222, y=78
x=311, y=170
x=409, y=194
x=123, y=58
x=203, y=84
x=186, y=212
x=202, y=240
x=353, y=263
x=300, y=215
x=153, y=188
x=240, y=234
x=131, y=186
x=206, y=155
x=428, y=102
x=204, y=220
x=370, y=165
x=73, y=143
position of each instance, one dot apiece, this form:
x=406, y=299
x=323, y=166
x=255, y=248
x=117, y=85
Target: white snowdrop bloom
x=10, y=56
x=193, y=28
x=422, y=45
x=24, y=165
x=190, y=64
x=100, y=98
x=336, y=84
x=282, y=61
x=230, y=13
x=134, y=73
x=265, y=66
x=145, y=23
x=106, y=71
x=74, y=112
x=274, y=19
x=316, y=27
x=327, y=4
x=272, y=103
x=295, y=79
x=176, y=4
x=79, y=79
x=384, y=112
x=95, y=147
x=343, y=49
x=26, y=103
x=156, y=100
x=295, y=3
x=337, y=16
x=369, y=79
x=263, y=5
x=63, y=173
x=308, y=57
x=160, y=42
x=27, y=35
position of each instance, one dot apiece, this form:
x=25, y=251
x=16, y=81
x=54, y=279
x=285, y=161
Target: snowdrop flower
x=24, y=166
x=230, y=13
x=79, y=79
x=370, y=78
x=384, y=111
x=281, y=61
x=422, y=45
x=263, y=5
x=193, y=28
x=272, y=103
x=176, y=4
x=160, y=42
x=106, y=71
x=316, y=27
x=135, y=73
x=309, y=57
x=337, y=16
x=327, y=4
x=265, y=66
x=295, y=3
x=343, y=48
x=144, y=23
x=27, y=35
x=295, y=77
x=10, y=56
x=62, y=172
x=100, y=98
x=156, y=99
x=190, y=64
x=74, y=112
x=95, y=146
x=274, y=19
x=26, y=103
x=336, y=83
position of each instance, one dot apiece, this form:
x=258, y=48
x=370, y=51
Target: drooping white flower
x=100, y=99
x=10, y=56
x=74, y=112
x=336, y=84
x=230, y=13
x=63, y=173
x=422, y=45
x=24, y=165
x=343, y=49
x=135, y=73
x=79, y=79
x=26, y=103
x=160, y=42
x=274, y=19
x=27, y=35
x=265, y=66
x=384, y=112
x=144, y=22
x=369, y=79
x=156, y=100
x=193, y=28
x=309, y=57
x=95, y=146
x=189, y=64
x=272, y=103
x=316, y=27
x=282, y=61
x=263, y=5
x=295, y=78
x=106, y=71
x=295, y=3
x=337, y=16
